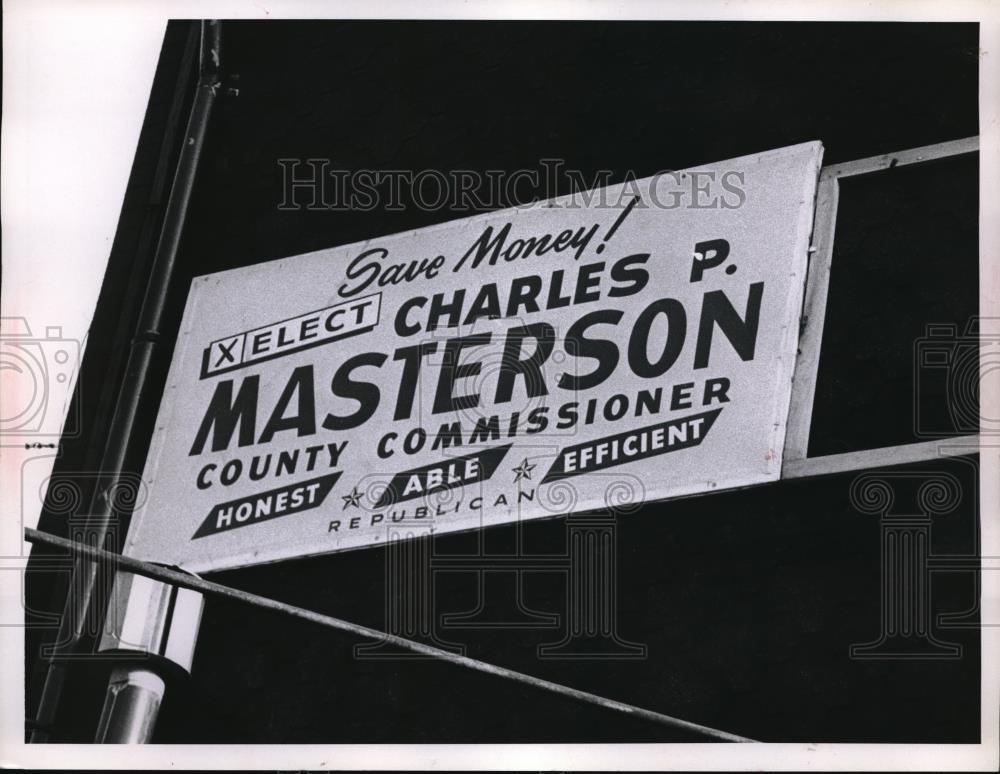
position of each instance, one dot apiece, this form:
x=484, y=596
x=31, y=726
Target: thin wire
x=195, y=583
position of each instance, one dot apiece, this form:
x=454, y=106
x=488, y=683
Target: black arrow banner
x=450, y=474
x=272, y=504
x=631, y=446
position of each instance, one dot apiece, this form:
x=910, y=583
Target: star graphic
x=354, y=498
x=523, y=471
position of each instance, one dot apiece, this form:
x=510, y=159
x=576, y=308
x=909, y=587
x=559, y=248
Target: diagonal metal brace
x=186, y=580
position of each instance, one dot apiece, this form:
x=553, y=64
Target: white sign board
x=629, y=344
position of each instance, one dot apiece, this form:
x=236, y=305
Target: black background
x=747, y=601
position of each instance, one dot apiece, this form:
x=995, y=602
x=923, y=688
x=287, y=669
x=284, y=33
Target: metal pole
x=153, y=628
x=131, y=706
x=144, y=343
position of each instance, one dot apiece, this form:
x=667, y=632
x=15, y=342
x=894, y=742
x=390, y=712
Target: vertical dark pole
x=133, y=390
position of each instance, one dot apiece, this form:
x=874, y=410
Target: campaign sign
x=601, y=350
